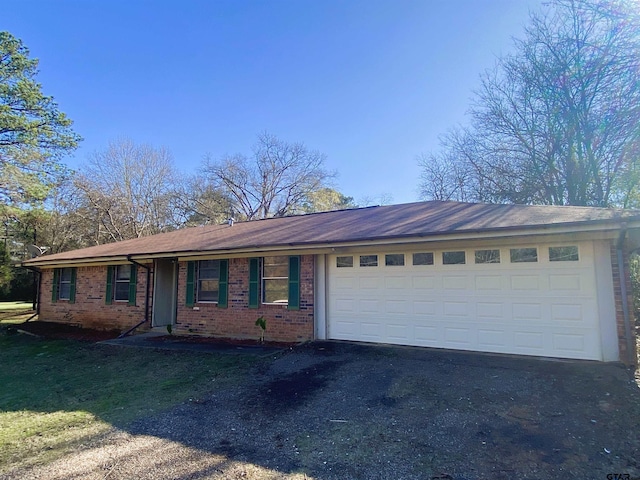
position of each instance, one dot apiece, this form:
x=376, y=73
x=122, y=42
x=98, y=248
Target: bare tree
x=128, y=189
x=558, y=121
x=384, y=198
x=273, y=182
x=443, y=178
x=198, y=202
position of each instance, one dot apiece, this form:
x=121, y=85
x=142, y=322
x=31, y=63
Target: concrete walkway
x=160, y=340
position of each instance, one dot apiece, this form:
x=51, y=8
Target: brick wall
x=89, y=309
x=238, y=320
x=628, y=357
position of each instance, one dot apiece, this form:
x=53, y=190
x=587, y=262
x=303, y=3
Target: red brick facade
x=89, y=309
x=628, y=357
x=237, y=320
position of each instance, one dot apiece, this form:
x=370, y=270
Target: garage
x=539, y=300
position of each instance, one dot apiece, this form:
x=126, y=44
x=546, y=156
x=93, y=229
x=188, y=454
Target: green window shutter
x=223, y=284
x=254, y=282
x=294, y=282
x=133, y=282
x=191, y=291
x=72, y=286
x=108, y=296
x=55, y=285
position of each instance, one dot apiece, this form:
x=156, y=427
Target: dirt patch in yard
x=62, y=330
x=247, y=342
x=342, y=411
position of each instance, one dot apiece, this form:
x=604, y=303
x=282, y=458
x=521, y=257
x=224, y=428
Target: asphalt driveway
x=344, y=411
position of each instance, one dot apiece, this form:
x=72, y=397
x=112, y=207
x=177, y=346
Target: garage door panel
x=397, y=283
x=456, y=309
x=423, y=282
x=458, y=336
x=345, y=283
x=489, y=282
x=369, y=305
x=542, y=308
x=525, y=282
x=569, y=342
x=369, y=282
x=344, y=330
x=492, y=338
x=372, y=332
x=489, y=310
x=344, y=305
x=398, y=333
x=421, y=307
x=424, y=334
x=395, y=307
x=533, y=340
x=571, y=312
x=457, y=282
x=564, y=282
x=527, y=311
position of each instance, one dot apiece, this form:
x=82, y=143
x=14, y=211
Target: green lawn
x=55, y=394
x=15, y=312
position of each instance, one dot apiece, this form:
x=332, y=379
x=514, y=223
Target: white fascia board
x=86, y=262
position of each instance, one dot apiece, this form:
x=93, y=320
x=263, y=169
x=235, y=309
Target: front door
x=165, y=292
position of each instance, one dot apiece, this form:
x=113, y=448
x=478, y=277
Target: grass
x=58, y=394
x=15, y=312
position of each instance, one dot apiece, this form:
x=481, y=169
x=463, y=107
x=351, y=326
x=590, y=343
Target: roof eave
x=580, y=227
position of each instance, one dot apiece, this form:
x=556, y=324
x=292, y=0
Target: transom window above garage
x=344, y=261
x=487, y=256
x=563, y=254
x=523, y=255
x=454, y=258
x=423, y=258
x=368, y=260
x=394, y=259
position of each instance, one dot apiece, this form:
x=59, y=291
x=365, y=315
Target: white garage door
x=539, y=300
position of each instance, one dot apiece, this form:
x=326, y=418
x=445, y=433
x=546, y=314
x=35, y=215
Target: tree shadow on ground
x=335, y=410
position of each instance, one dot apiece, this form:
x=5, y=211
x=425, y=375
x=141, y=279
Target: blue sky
x=372, y=84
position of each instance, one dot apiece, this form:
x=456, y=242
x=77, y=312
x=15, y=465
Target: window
x=423, y=258
x=64, y=284
x=342, y=262
x=123, y=276
x=487, y=256
x=394, y=259
x=64, y=289
x=121, y=284
x=275, y=279
x=523, y=255
x=368, y=260
x=563, y=254
x=454, y=258
x=208, y=283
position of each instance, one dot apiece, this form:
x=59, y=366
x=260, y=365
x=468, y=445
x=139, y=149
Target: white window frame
x=117, y=280
x=265, y=279
x=198, y=281
x=66, y=282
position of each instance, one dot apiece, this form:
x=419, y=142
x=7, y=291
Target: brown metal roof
x=422, y=219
